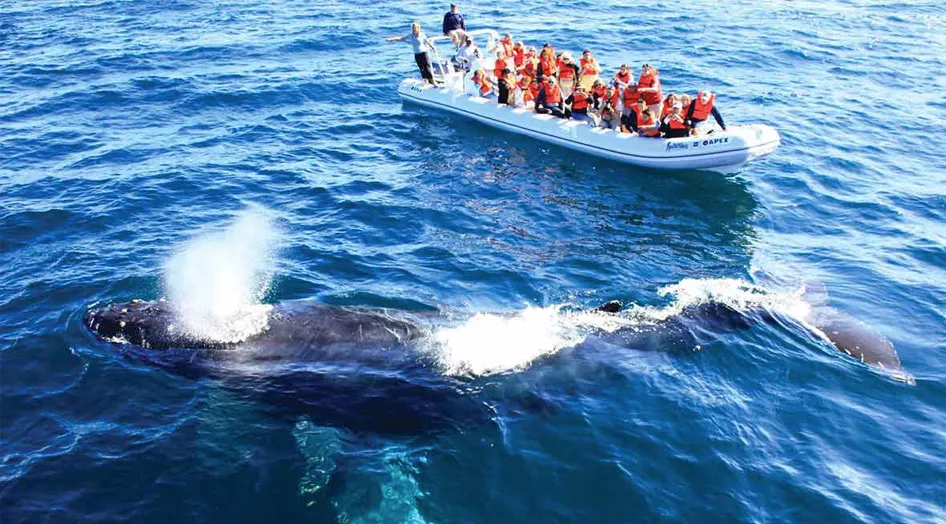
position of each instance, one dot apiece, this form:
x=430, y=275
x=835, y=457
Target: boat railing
x=442, y=67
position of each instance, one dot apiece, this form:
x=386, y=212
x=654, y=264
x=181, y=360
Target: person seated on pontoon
x=700, y=109
x=506, y=87
x=674, y=125
x=549, y=99
x=647, y=124
x=579, y=102
x=454, y=25
x=609, y=110
x=530, y=93
x=484, y=87
x=668, y=102
x=631, y=115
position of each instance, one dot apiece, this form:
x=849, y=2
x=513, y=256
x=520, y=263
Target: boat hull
x=722, y=150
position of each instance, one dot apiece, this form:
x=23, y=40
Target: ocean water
x=237, y=154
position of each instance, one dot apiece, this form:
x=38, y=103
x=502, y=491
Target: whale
x=349, y=336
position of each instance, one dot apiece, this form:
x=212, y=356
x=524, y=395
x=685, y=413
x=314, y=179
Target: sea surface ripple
x=127, y=127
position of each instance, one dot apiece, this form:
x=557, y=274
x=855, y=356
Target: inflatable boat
x=716, y=150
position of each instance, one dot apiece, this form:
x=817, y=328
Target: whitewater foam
x=489, y=343
x=216, y=282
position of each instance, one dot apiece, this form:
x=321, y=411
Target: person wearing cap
x=609, y=109
x=700, y=109
x=453, y=25
x=421, y=44
x=648, y=85
x=674, y=125
x=467, y=54
x=549, y=99
x=506, y=85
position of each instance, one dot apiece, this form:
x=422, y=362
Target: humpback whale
x=347, y=337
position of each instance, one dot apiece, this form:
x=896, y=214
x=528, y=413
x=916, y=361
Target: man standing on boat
x=454, y=26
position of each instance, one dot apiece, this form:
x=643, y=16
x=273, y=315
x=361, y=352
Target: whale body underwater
x=367, y=369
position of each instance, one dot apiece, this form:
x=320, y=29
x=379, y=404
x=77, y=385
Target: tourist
x=589, y=69
x=700, y=109
x=623, y=77
x=484, y=87
x=421, y=44
x=674, y=125
x=506, y=85
x=649, y=88
x=567, y=75
x=454, y=26
x=547, y=67
x=578, y=103
x=549, y=99
x=609, y=110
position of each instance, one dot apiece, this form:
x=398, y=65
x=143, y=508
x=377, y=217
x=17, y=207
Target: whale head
x=148, y=324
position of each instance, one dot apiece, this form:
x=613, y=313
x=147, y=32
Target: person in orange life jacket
x=647, y=125
x=568, y=75
x=484, y=87
x=506, y=85
x=624, y=76
x=632, y=115
x=501, y=63
x=518, y=54
x=421, y=44
x=547, y=67
x=531, y=93
x=589, y=66
x=608, y=109
x=700, y=109
x=629, y=98
x=667, y=107
x=598, y=90
x=507, y=44
x=579, y=102
x=649, y=87
x=549, y=99
x=674, y=125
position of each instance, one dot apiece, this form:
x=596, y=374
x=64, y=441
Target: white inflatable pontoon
x=718, y=150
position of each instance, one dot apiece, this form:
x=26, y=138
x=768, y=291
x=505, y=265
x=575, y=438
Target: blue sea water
x=128, y=128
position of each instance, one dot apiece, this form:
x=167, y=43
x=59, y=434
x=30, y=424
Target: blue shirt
x=453, y=21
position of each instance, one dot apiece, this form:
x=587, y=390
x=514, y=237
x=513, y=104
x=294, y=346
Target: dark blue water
x=127, y=128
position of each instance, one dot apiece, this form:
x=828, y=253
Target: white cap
x=706, y=96
x=677, y=105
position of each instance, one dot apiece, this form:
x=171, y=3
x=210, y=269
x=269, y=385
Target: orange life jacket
x=579, y=101
x=612, y=104
x=532, y=92
x=624, y=78
x=548, y=66
x=645, y=125
x=507, y=46
x=588, y=67
x=631, y=96
x=566, y=72
x=667, y=108
x=599, y=91
x=553, y=94
x=650, y=80
x=498, y=67
x=676, y=123
x=519, y=56
x=485, y=85
x=702, y=111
